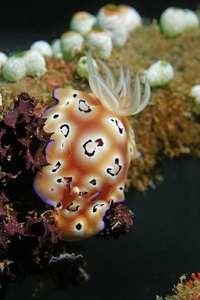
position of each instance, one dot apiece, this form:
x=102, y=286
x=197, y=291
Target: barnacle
x=117, y=97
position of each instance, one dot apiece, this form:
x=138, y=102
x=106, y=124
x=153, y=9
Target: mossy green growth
x=84, y=60
x=111, y=6
x=164, y=63
x=20, y=54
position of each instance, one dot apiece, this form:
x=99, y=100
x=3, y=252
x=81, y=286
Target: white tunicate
x=82, y=22
x=35, y=63
x=174, y=21
x=132, y=18
x=3, y=59
x=56, y=48
x=160, y=73
x=26, y=63
x=14, y=69
x=195, y=92
x=119, y=40
x=42, y=47
x=99, y=43
x=82, y=67
x=71, y=44
x=112, y=20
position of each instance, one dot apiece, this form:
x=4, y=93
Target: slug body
x=89, y=156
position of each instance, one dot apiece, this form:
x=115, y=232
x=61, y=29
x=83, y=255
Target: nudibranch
x=90, y=151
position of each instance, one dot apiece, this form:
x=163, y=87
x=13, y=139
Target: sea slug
x=90, y=151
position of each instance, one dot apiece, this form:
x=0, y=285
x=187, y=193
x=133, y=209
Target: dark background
x=22, y=22
x=165, y=240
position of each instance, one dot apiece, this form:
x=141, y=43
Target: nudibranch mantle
x=89, y=156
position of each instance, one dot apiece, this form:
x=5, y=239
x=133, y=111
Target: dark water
x=164, y=242
x=23, y=22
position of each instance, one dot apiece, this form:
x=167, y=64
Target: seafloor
x=168, y=127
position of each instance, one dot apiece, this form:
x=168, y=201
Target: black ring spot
x=57, y=166
x=55, y=116
x=83, y=106
x=78, y=226
x=59, y=205
x=64, y=128
x=93, y=181
x=96, y=207
x=110, y=170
